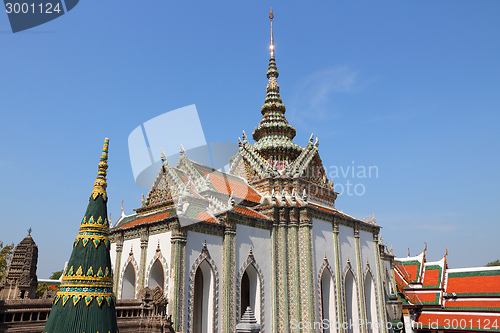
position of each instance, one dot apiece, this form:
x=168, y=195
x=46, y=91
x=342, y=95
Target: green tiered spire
x=274, y=134
x=85, y=300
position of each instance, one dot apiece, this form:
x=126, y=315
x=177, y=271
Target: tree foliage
x=493, y=263
x=5, y=254
x=41, y=289
x=56, y=275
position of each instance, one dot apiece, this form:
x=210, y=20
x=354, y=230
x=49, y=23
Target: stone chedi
x=20, y=279
x=85, y=301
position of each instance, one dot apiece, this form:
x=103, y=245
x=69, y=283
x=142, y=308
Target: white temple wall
x=322, y=244
x=367, y=251
x=347, y=248
x=194, y=247
x=112, y=254
x=259, y=240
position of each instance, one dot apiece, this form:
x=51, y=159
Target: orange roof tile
x=250, y=212
x=227, y=185
x=454, y=321
x=146, y=219
x=473, y=284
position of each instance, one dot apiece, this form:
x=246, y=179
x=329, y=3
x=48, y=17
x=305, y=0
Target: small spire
x=271, y=47
x=244, y=136
x=163, y=156
x=29, y=231
x=122, y=206
x=100, y=183
x=182, y=151
x=311, y=138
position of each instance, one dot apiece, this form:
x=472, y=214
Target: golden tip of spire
x=100, y=182
x=271, y=15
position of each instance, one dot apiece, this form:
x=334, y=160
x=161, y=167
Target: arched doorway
x=328, y=309
x=250, y=292
x=128, y=286
x=351, y=298
x=203, y=312
x=371, y=304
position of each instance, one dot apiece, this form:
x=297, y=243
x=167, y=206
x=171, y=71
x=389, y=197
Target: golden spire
x=271, y=47
x=100, y=183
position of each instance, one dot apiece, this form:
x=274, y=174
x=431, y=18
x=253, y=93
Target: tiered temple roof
x=274, y=161
x=449, y=299
x=192, y=192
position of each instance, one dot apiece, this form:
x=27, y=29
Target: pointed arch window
x=351, y=299
x=128, y=287
x=328, y=309
x=371, y=304
x=156, y=275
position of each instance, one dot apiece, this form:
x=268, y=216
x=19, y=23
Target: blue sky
x=409, y=87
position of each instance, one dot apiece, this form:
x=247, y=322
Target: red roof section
x=432, y=278
x=454, y=321
x=250, y=212
x=226, y=185
x=473, y=284
x=204, y=216
x=146, y=219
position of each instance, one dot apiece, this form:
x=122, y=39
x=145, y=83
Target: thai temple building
x=259, y=248
x=85, y=301
x=266, y=236
x=439, y=299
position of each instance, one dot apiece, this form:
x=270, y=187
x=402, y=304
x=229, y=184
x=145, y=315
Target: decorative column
x=361, y=288
x=178, y=264
x=282, y=274
x=144, y=234
x=338, y=276
x=118, y=261
x=307, y=295
x=293, y=266
x=274, y=272
x=380, y=285
x=229, y=277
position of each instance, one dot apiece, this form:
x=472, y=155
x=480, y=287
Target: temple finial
x=100, y=183
x=271, y=47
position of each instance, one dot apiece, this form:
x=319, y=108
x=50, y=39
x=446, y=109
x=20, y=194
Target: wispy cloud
x=440, y=222
x=314, y=95
x=438, y=227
